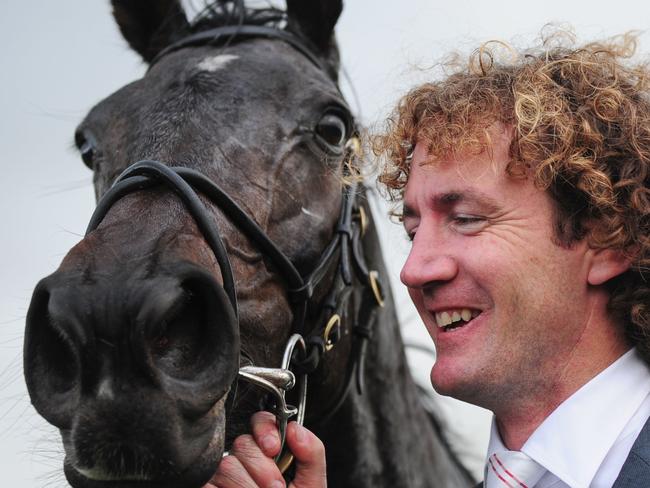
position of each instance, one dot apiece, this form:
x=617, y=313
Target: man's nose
x=429, y=262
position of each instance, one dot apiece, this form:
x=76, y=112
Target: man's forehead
x=491, y=156
x=471, y=174
x=492, y=142
x=474, y=166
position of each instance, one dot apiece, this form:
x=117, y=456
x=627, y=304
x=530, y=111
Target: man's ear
x=607, y=264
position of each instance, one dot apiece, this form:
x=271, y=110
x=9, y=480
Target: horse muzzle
x=134, y=373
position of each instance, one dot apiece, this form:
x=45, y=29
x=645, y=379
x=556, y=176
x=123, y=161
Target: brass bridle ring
x=353, y=146
x=335, y=320
x=373, y=276
x=363, y=221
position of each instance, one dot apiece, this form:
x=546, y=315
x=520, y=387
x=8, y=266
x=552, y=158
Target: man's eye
x=467, y=219
x=468, y=223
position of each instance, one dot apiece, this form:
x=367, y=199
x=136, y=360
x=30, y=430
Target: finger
x=266, y=433
x=261, y=468
x=310, y=457
x=231, y=474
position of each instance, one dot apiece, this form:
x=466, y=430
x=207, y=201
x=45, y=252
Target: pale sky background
x=57, y=59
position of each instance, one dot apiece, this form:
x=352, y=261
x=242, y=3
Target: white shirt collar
x=574, y=439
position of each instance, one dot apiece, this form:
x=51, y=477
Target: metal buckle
x=277, y=381
x=376, y=287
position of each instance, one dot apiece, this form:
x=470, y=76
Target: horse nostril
x=179, y=344
x=193, y=345
x=51, y=365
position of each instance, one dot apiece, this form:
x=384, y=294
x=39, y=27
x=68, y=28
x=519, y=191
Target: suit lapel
x=635, y=472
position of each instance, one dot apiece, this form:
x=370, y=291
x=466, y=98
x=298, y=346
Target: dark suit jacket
x=635, y=472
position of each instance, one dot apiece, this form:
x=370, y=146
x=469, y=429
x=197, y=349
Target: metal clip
x=277, y=381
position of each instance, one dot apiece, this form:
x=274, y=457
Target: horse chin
x=133, y=467
x=196, y=476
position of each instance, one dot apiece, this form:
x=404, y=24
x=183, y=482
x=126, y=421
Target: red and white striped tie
x=512, y=469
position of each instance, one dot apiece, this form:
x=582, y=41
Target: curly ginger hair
x=581, y=130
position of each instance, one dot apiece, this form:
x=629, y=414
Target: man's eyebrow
x=452, y=198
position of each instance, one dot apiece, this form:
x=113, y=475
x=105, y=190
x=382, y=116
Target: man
x=526, y=193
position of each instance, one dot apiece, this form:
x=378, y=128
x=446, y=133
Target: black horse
x=240, y=226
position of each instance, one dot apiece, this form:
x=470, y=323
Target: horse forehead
x=215, y=62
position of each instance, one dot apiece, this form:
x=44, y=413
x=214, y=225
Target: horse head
x=133, y=346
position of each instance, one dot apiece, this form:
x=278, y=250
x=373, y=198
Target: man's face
x=504, y=304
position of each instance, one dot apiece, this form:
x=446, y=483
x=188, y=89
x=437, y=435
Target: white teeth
x=445, y=319
x=449, y=317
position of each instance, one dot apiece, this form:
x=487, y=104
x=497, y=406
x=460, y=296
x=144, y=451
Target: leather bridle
x=344, y=253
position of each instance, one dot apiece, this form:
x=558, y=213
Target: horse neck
x=384, y=437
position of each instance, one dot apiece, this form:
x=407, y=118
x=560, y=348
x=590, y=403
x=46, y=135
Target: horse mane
x=219, y=13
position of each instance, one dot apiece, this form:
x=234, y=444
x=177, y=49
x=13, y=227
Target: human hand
x=250, y=462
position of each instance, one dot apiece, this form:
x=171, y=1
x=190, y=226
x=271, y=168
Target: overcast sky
x=57, y=59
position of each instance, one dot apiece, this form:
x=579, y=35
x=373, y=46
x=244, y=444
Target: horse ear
x=150, y=25
x=315, y=20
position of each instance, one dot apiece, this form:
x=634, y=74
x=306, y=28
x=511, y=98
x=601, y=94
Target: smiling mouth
x=453, y=319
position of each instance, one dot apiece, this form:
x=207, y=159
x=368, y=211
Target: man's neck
x=518, y=420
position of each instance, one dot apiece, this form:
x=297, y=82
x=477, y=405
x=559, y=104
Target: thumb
x=310, y=457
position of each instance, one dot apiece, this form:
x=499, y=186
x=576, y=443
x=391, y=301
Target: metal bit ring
x=277, y=381
x=285, y=458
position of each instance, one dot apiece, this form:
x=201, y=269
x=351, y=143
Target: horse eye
x=332, y=130
x=87, y=154
x=87, y=147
